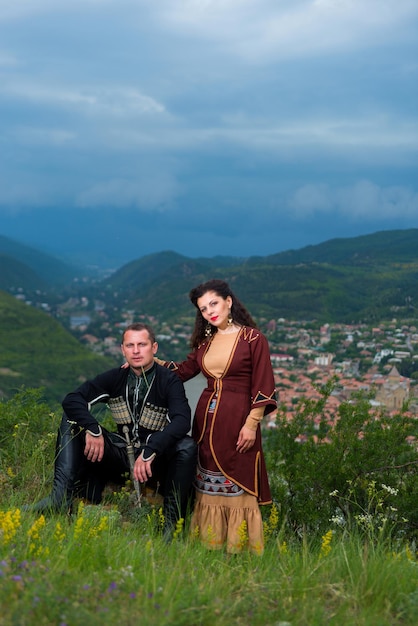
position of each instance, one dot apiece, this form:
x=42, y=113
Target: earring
x=208, y=330
x=230, y=320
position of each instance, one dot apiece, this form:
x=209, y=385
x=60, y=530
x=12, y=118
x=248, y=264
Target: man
x=153, y=417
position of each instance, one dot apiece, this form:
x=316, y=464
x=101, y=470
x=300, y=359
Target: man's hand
x=94, y=449
x=142, y=469
x=246, y=439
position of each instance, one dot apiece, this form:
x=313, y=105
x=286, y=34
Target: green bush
x=361, y=467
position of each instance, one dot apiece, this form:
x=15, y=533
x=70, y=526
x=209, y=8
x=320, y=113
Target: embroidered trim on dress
x=216, y=484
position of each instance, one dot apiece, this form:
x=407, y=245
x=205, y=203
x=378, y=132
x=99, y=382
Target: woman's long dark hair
x=239, y=313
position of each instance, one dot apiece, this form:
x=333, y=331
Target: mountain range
x=361, y=278
x=368, y=278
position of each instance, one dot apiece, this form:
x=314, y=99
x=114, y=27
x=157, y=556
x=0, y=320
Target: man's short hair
x=138, y=326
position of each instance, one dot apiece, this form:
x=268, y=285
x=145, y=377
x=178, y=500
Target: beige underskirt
x=234, y=521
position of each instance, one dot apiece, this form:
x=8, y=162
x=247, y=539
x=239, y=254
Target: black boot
x=181, y=471
x=69, y=460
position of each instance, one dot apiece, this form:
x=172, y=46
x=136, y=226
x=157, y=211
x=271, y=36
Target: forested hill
x=356, y=279
x=36, y=351
x=392, y=246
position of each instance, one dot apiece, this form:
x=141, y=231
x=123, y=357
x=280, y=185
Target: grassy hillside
x=340, y=536
x=36, y=351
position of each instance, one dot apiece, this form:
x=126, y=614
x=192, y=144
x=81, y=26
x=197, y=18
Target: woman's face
x=215, y=309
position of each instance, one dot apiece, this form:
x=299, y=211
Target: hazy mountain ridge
x=361, y=278
x=51, y=270
x=393, y=245
x=17, y=275
x=146, y=270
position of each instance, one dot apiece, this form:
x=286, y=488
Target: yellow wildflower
x=161, y=518
x=9, y=524
x=35, y=529
x=211, y=535
x=151, y=516
x=326, y=543
x=409, y=553
x=80, y=509
x=179, y=528
x=272, y=523
x=257, y=548
x=282, y=546
x=242, y=535
x=78, y=527
x=34, y=534
x=274, y=517
x=59, y=534
x=103, y=525
x=195, y=532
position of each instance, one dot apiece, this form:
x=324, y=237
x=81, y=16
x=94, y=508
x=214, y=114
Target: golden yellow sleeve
x=254, y=418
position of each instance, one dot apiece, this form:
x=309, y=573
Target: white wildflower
x=391, y=490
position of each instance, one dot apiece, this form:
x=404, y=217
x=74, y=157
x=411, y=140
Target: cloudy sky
x=207, y=127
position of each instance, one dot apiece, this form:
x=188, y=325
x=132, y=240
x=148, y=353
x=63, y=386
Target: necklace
x=229, y=330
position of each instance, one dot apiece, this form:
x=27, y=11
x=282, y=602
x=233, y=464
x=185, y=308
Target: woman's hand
x=246, y=439
x=124, y=366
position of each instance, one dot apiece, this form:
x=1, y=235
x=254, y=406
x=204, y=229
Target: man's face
x=138, y=350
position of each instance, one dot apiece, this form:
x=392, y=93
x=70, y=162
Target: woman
x=231, y=478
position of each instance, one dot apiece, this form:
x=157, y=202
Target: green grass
x=98, y=568
x=108, y=564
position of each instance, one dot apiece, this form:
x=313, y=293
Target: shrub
x=360, y=464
